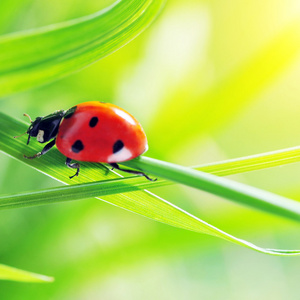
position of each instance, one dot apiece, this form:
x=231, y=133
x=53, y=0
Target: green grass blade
x=31, y=58
x=142, y=203
x=235, y=191
x=253, y=162
x=75, y=192
x=156, y=209
x=241, y=193
x=13, y=274
x=122, y=185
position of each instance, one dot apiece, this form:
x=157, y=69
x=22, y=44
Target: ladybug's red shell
x=100, y=132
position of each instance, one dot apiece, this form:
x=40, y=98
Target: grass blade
x=10, y=273
x=31, y=58
x=235, y=191
x=253, y=162
x=142, y=203
x=156, y=209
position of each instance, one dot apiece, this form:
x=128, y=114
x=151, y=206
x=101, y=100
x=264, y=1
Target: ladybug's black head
x=45, y=128
x=33, y=129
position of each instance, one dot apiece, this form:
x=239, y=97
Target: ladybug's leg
x=73, y=166
x=116, y=166
x=44, y=151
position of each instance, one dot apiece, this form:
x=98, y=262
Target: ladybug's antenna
x=26, y=115
x=17, y=136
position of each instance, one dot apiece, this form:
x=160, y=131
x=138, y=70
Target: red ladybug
x=91, y=131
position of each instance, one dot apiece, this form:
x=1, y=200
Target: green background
x=209, y=80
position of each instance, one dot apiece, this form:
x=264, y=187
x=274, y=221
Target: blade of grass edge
x=157, y=209
x=238, y=192
x=38, y=56
x=222, y=187
x=14, y=274
x=252, y=162
x=222, y=168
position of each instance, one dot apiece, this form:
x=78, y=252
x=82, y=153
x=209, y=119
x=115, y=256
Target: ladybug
x=93, y=132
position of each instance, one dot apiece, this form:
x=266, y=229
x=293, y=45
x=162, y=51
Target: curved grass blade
x=154, y=208
x=229, y=189
x=124, y=185
x=238, y=192
x=34, y=57
x=253, y=162
x=145, y=204
x=13, y=274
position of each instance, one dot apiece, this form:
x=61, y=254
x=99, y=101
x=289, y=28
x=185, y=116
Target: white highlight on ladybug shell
x=146, y=148
x=40, y=136
x=125, y=116
x=122, y=155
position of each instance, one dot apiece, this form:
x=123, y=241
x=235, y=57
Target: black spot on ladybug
x=77, y=146
x=118, y=145
x=69, y=113
x=93, y=121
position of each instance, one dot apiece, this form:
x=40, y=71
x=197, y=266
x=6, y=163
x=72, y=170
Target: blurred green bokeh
x=209, y=80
